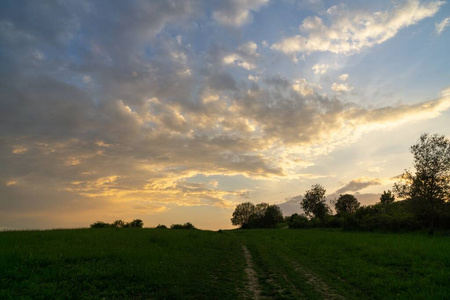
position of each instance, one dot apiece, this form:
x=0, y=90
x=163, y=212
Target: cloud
x=291, y=206
x=350, y=32
x=358, y=184
x=244, y=57
x=320, y=69
x=440, y=27
x=120, y=115
x=236, y=13
x=343, y=77
x=341, y=87
x=304, y=87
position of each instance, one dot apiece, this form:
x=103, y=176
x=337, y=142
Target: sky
x=177, y=111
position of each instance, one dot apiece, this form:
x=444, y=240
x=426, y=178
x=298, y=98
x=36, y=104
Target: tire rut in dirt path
x=319, y=285
x=253, y=285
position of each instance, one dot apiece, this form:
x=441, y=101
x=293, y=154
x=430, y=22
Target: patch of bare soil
x=253, y=285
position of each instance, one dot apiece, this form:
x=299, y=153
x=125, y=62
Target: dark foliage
x=137, y=223
x=262, y=215
x=100, y=224
x=186, y=225
x=387, y=197
x=297, y=221
x=314, y=203
x=429, y=188
x=160, y=226
x=346, y=204
x=393, y=217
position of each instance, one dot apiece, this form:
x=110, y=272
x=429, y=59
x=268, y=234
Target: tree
x=261, y=215
x=118, y=224
x=242, y=214
x=314, y=202
x=100, y=224
x=272, y=216
x=346, y=204
x=137, y=223
x=429, y=188
x=387, y=197
x=297, y=221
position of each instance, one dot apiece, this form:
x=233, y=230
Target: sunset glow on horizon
x=177, y=111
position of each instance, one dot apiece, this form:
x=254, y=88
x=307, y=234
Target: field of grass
x=239, y=264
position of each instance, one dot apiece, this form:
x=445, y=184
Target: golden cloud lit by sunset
x=175, y=112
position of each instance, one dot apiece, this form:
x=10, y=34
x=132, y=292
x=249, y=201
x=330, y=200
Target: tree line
x=425, y=202
x=137, y=223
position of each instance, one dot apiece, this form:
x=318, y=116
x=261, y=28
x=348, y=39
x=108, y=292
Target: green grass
x=193, y=264
x=120, y=264
x=357, y=265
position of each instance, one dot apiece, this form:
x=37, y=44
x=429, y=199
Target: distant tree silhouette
x=118, y=224
x=272, y=216
x=187, y=225
x=387, y=197
x=242, y=214
x=100, y=224
x=297, y=221
x=314, y=202
x=429, y=188
x=262, y=215
x=160, y=226
x=346, y=204
x=137, y=223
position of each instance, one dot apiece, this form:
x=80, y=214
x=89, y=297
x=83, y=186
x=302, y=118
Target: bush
x=100, y=224
x=187, y=225
x=297, y=221
x=334, y=221
x=137, y=223
x=161, y=226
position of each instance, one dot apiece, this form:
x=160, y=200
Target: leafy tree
x=242, y=214
x=262, y=215
x=118, y=224
x=429, y=187
x=346, y=204
x=314, y=202
x=272, y=216
x=137, y=223
x=161, y=226
x=387, y=197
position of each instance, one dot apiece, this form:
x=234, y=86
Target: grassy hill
x=193, y=264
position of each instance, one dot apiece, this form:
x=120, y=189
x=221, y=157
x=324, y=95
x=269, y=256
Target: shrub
x=297, y=221
x=334, y=221
x=161, y=226
x=100, y=224
x=187, y=225
x=137, y=223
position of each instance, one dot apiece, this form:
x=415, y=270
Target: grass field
x=238, y=264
